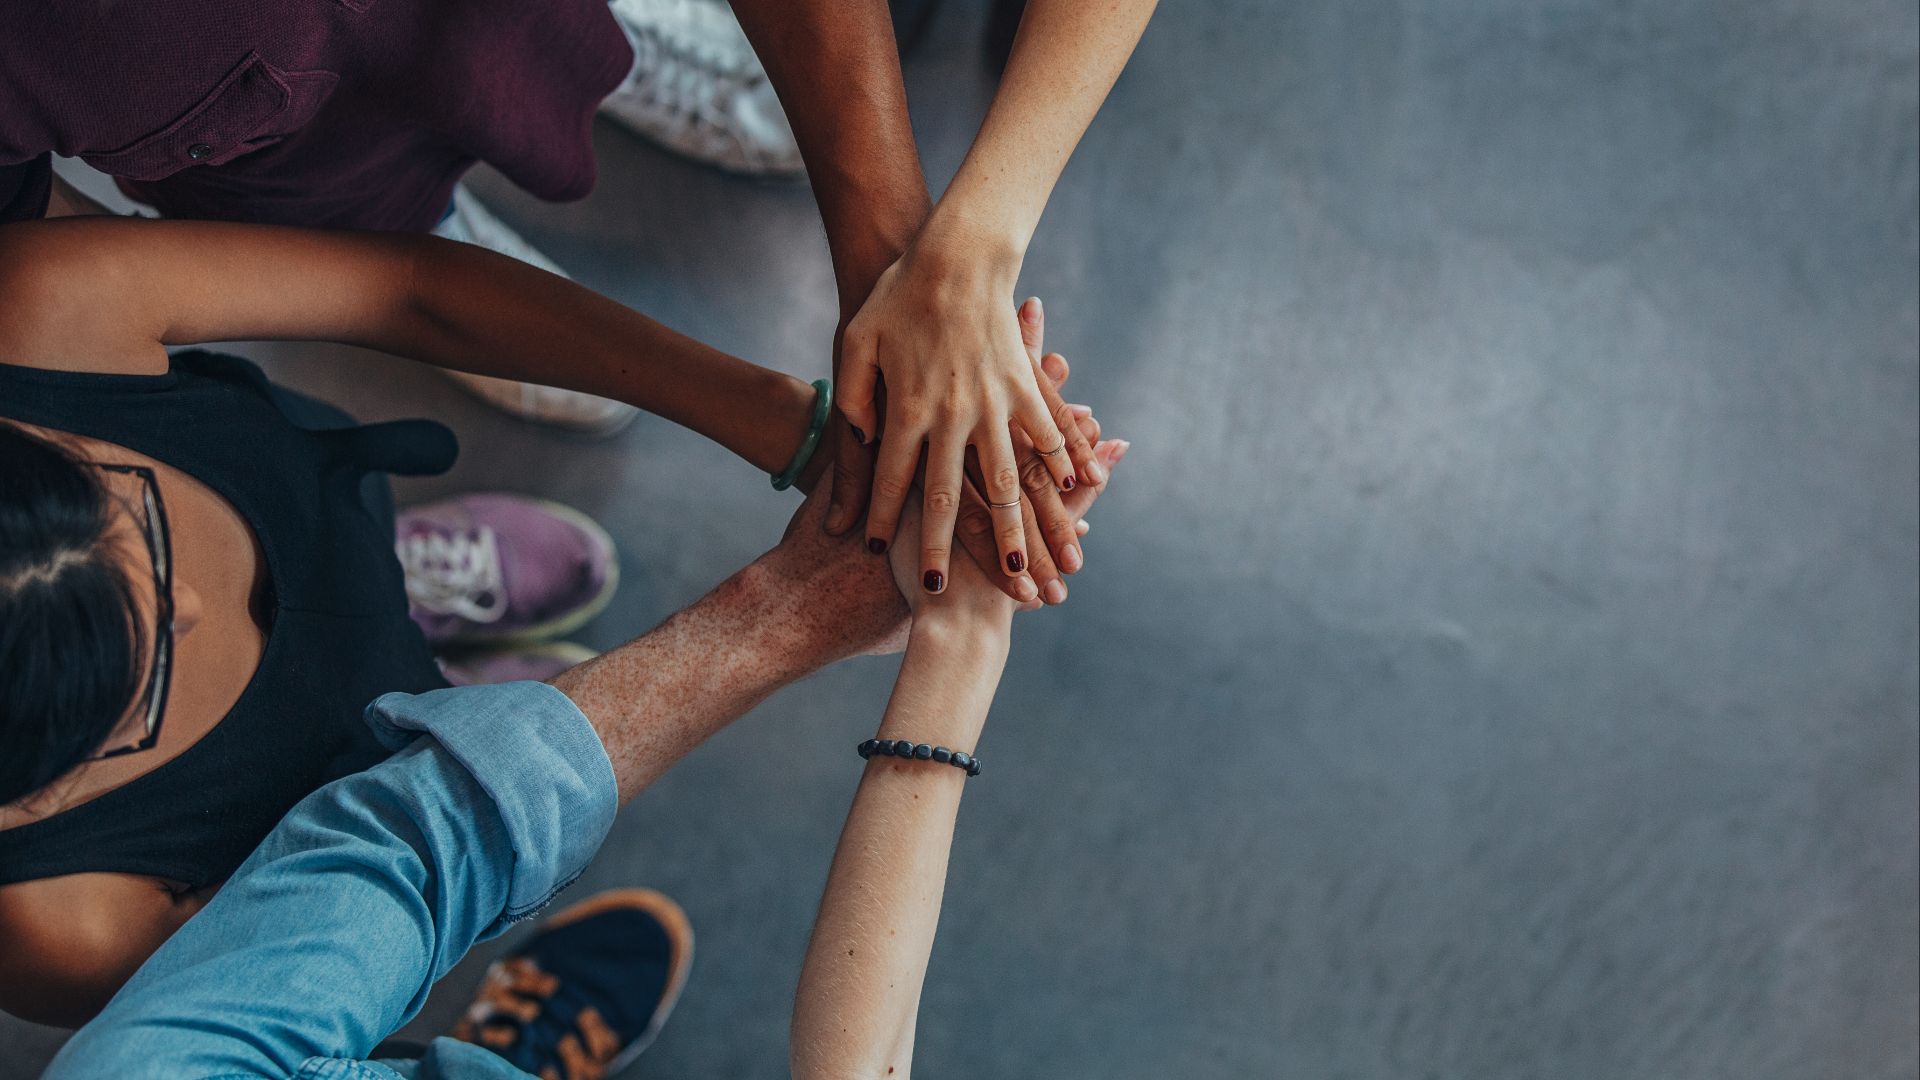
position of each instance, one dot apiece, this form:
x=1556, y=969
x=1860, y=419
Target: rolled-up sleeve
x=329, y=936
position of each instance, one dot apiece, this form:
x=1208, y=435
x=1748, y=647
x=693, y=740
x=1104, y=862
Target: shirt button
x=199, y=150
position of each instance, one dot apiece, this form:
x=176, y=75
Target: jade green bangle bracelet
x=822, y=408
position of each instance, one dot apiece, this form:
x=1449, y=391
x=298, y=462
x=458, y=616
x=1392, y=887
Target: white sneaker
x=697, y=89
x=472, y=223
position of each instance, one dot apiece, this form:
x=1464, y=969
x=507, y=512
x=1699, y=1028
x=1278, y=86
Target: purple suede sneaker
x=494, y=569
x=534, y=663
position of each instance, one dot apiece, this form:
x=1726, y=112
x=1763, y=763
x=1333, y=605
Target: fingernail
x=1095, y=473
x=1016, y=562
x=876, y=545
x=1054, y=592
x=1024, y=590
x=1070, y=559
x=858, y=435
x=1031, y=310
x=934, y=581
x=1124, y=447
x=1066, y=483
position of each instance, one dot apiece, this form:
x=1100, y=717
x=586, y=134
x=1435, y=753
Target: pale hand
x=939, y=332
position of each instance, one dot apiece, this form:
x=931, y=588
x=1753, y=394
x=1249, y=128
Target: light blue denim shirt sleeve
x=327, y=938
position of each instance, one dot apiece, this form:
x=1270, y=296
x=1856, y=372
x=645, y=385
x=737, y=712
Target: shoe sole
x=601, y=430
x=561, y=625
x=475, y=211
x=634, y=124
x=570, y=653
x=679, y=931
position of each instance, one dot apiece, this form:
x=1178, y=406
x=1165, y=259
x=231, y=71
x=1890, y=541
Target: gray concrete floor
x=1499, y=657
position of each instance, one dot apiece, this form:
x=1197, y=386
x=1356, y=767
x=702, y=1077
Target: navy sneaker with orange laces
x=589, y=991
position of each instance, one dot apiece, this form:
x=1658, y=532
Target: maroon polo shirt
x=345, y=113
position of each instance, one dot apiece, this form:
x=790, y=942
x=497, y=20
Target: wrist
x=964, y=632
x=963, y=658
x=958, y=241
x=788, y=645
x=873, y=240
x=791, y=416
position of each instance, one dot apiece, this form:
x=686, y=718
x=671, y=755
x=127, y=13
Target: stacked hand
x=847, y=603
x=978, y=460
x=971, y=587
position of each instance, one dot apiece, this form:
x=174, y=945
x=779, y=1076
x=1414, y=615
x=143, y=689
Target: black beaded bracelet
x=901, y=748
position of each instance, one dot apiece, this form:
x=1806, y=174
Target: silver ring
x=1004, y=505
x=1061, y=449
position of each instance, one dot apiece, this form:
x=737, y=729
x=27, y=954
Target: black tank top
x=340, y=635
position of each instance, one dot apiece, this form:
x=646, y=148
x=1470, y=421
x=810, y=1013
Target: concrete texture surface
x=1499, y=657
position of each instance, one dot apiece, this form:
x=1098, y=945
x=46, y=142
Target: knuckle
x=974, y=528
x=1034, y=475
x=913, y=413
x=942, y=501
x=1005, y=478
x=891, y=487
x=846, y=472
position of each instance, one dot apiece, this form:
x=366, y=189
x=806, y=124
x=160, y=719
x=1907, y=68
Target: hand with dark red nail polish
x=1016, y=562
x=934, y=581
x=876, y=545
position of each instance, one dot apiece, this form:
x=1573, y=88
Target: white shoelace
x=681, y=90
x=702, y=33
x=454, y=574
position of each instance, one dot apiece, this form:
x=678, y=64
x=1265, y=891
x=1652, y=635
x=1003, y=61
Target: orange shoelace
x=513, y=995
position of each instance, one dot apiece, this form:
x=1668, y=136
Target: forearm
x=1064, y=61
x=477, y=311
x=837, y=71
x=104, y=294
x=654, y=699
x=860, y=987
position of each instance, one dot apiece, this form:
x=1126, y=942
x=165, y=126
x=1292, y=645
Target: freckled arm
x=860, y=987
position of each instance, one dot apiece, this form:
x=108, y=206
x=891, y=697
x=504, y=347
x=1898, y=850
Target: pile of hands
x=1015, y=558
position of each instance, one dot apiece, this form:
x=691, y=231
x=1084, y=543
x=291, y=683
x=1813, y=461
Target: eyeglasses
x=160, y=551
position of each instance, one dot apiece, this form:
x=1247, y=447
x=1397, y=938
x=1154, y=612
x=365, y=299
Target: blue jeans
x=328, y=937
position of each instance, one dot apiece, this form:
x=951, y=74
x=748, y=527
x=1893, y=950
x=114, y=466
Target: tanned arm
x=837, y=71
x=812, y=600
x=108, y=294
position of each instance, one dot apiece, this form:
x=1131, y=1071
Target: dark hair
x=71, y=632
